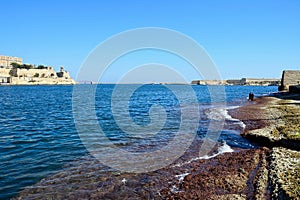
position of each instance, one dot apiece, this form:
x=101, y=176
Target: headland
x=14, y=72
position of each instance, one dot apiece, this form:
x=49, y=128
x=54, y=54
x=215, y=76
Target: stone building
x=46, y=76
x=290, y=80
x=5, y=79
x=5, y=76
x=10, y=75
x=5, y=61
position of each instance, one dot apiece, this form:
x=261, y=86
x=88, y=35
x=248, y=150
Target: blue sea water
x=38, y=134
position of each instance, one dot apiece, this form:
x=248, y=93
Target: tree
x=15, y=65
x=41, y=67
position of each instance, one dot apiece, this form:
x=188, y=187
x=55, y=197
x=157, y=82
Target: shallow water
x=38, y=135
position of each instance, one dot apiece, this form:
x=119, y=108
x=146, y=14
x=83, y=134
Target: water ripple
x=38, y=136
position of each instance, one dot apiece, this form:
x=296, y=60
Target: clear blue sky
x=244, y=38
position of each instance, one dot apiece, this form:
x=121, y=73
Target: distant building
x=208, y=82
x=260, y=81
x=243, y=81
x=11, y=75
x=39, y=76
x=5, y=76
x=5, y=79
x=5, y=61
x=235, y=82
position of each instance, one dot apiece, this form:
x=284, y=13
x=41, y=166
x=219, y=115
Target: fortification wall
x=20, y=76
x=260, y=81
x=289, y=78
x=41, y=81
x=4, y=72
x=33, y=77
x=42, y=73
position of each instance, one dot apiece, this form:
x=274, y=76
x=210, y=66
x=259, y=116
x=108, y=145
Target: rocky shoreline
x=237, y=175
x=268, y=172
x=274, y=122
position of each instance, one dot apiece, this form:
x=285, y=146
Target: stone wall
x=209, y=82
x=15, y=76
x=41, y=81
x=289, y=78
x=39, y=73
x=4, y=72
x=260, y=81
x=5, y=80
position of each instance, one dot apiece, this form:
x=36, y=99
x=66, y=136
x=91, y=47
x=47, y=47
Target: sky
x=255, y=39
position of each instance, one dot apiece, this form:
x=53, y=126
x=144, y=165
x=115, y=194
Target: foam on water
x=230, y=118
x=180, y=177
x=220, y=113
x=174, y=189
x=224, y=148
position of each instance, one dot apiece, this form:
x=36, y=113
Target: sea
x=39, y=125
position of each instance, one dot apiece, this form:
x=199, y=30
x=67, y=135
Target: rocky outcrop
x=228, y=176
x=275, y=122
x=282, y=120
x=285, y=173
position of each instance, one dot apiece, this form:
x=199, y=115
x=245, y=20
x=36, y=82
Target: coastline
x=231, y=175
x=260, y=173
x=276, y=125
x=272, y=121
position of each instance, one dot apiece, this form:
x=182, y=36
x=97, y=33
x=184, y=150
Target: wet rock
x=224, y=179
x=272, y=122
x=277, y=125
x=226, y=176
x=285, y=173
